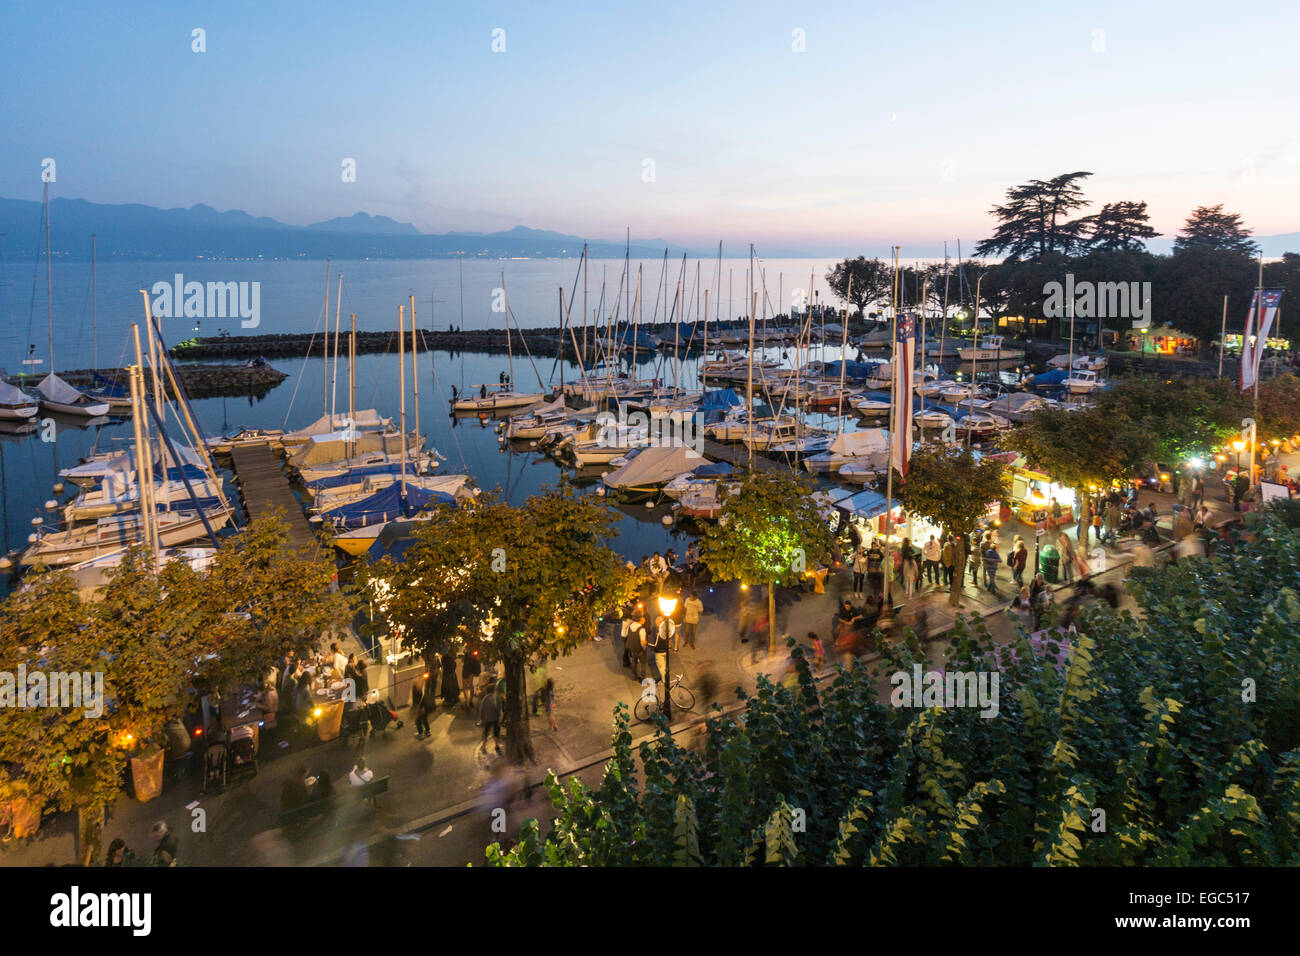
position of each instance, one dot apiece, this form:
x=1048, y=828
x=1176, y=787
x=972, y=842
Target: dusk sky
x=898, y=124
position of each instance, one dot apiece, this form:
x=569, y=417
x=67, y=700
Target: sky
x=784, y=124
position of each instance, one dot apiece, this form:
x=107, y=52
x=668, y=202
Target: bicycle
x=649, y=703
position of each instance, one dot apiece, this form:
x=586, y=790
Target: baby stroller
x=381, y=714
x=356, y=722
x=214, y=765
x=241, y=749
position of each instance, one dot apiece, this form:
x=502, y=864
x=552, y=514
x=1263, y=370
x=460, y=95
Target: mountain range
x=138, y=232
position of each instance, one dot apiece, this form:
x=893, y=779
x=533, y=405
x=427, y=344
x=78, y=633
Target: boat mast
x=704, y=351
x=844, y=352
x=334, y=378
x=895, y=435
x=325, y=350
x=749, y=388
x=910, y=386
x=49, y=294
x=510, y=351
x=636, y=320
x=943, y=332
x=401, y=388
x=415, y=369
x=584, y=304
x=352, y=384
x=975, y=353
x=144, y=456
x=94, y=317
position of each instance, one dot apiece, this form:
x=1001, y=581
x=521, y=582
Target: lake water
x=292, y=300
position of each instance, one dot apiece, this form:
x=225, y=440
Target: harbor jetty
x=200, y=381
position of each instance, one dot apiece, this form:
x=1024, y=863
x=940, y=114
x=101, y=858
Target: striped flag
x=900, y=425
x=1255, y=340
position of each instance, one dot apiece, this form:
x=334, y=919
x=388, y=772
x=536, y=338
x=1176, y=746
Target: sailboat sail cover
x=11, y=395
x=363, y=419
x=57, y=390
x=387, y=504
x=653, y=466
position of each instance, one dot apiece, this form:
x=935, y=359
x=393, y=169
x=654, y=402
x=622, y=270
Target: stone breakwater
x=200, y=381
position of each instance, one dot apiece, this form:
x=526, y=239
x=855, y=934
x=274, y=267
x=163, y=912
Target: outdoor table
x=329, y=701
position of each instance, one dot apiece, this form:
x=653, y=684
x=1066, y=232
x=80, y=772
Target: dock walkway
x=265, y=488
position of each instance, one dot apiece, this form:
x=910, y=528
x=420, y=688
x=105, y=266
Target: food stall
x=1032, y=493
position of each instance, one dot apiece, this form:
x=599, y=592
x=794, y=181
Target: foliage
x=529, y=583
x=1279, y=407
x=148, y=637
x=1120, y=226
x=872, y=280
x=1079, y=448
x=1033, y=223
x=1209, y=227
x=1169, y=737
x=1177, y=419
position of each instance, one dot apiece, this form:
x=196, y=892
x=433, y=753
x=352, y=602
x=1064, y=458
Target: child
x=819, y=651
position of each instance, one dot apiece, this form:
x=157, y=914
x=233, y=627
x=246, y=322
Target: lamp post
x=1237, y=446
x=667, y=605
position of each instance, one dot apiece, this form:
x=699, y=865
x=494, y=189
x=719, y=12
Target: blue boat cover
x=713, y=469
x=354, y=475
x=852, y=370
x=387, y=504
x=863, y=504
x=721, y=398
x=1055, y=377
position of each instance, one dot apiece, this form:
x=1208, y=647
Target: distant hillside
x=134, y=231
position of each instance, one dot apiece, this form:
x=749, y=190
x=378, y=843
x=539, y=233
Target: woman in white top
x=360, y=775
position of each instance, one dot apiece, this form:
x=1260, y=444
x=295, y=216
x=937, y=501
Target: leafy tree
x=1210, y=228
x=1191, y=284
x=1033, y=223
x=1279, y=407
x=530, y=582
x=872, y=281
x=953, y=489
x=1179, y=419
x=1080, y=448
x=1284, y=274
x=1119, y=226
x=769, y=530
x=261, y=598
x=1181, y=722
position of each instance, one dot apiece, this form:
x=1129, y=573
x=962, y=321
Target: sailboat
x=117, y=396
x=502, y=395
x=15, y=404
x=55, y=394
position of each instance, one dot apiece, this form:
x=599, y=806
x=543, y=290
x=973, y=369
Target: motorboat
x=982, y=424
x=331, y=499
x=120, y=493
x=1083, y=382
x=991, y=349
x=650, y=469
x=244, y=437
x=868, y=446
x=932, y=418
x=496, y=400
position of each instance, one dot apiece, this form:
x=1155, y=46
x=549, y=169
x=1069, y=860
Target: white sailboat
x=991, y=351
x=15, y=404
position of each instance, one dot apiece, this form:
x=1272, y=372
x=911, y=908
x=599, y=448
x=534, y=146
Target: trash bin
x=1049, y=563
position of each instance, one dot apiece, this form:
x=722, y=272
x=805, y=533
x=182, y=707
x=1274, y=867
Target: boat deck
x=265, y=488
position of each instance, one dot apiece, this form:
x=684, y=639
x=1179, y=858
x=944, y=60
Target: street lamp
x=1238, y=446
x=667, y=605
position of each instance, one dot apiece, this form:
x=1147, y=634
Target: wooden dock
x=265, y=488
x=738, y=455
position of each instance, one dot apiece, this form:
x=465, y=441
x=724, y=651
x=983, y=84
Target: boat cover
x=654, y=466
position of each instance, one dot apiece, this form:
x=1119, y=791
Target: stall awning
x=863, y=504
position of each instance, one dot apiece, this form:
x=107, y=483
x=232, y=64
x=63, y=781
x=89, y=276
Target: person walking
x=1068, y=559
x=422, y=703
x=859, y=569
x=876, y=568
x=933, y=553
x=1113, y=516
x=975, y=556
x=692, y=609
x=991, y=561
x=910, y=568
x=548, y=701
x=946, y=557
x=1019, y=558
x=489, y=715
x=470, y=669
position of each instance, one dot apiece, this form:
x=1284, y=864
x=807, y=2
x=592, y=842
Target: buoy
x=33, y=538
x=600, y=491
x=58, y=488
x=6, y=563
x=37, y=522
x=51, y=504
x=667, y=520
x=649, y=505
x=532, y=444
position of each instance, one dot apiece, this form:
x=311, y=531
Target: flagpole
x=1223, y=334
x=893, y=438
x=1256, y=354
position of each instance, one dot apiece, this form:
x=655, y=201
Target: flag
x=900, y=426
x=1255, y=340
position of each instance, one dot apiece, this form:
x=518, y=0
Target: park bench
x=345, y=796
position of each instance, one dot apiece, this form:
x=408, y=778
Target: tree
x=1210, y=228
x=1119, y=226
x=1180, y=419
x=1080, y=448
x=261, y=598
x=1279, y=408
x=1033, y=223
x=530, y=583
x=1180, y=723
x=148, y=637
x=950, y=487
x=872, y=280
x=769, y=529
x=1284, y=274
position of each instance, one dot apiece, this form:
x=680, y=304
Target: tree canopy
x=1164, y=737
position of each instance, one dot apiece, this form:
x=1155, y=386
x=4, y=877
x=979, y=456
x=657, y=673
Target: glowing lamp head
x=667, y=604
x=1238, y=445
x=317, y=712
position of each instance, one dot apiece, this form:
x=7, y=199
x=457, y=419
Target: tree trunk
x=519, y=745
x=771, y=617
x=90, y=832
x=958, y=569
